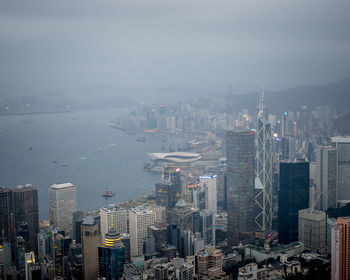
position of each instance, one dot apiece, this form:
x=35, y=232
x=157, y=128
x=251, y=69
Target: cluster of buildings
x=258, y=211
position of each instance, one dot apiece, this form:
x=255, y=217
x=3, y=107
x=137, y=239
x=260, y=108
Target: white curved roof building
x=176, y=157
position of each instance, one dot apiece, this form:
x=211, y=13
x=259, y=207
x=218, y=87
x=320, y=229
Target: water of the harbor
x=78, y=147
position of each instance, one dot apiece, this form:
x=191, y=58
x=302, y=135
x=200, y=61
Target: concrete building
x=5, y=259
x=312, y=230
x=240, y=149
x=207, y=226
x=209, y=259
x=184, y=217
x=91, y=238
x=343, y=168
x=113, y=217
x=251, y=272
x=209, y=183
x=139, y=219
x=326, y=177
x=340, y=261
x=62, y=204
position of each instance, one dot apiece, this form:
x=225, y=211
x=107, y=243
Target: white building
x=115, y=217
x=139, y=219
x=210, y=185
x=62, y=204
x=251, y=272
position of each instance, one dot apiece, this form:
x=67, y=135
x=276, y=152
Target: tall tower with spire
x=263, y=180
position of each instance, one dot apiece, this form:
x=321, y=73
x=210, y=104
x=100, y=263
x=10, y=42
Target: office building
x=114, y=217
x=19, y=205
x=5, y=259
x=185, y=271
x=340, y=261
x=62, y=204
x=198, y=196
x=326, y=177
x=184, y=217
x=160, y=236
x=91, y=238
x=293, y=195
x=139, y=219
x=263, y=181
x=169, y=190
x=209, y=183
x=209, y=259
x=240, y=148
x=343, y=169
x=20, y=255
x=111, y=256
x=32, y=270
x=207, y=226
x=78, y=217
x=57, y=252
x=312, y=230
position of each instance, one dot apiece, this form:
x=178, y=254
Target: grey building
x=326, y=177
x=62, y=204
x=240, y=146
x=312, y=229
x=207, y=226
x=343, y=169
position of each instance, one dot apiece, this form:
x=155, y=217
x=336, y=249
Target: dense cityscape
x=189, y=140
x=241, y=195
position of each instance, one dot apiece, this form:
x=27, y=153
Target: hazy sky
x=53, y=44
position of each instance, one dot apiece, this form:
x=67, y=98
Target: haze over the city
x=54, y=45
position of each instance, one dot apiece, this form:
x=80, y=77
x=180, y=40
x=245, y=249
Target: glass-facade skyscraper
x=240, y=146
x=293, y=195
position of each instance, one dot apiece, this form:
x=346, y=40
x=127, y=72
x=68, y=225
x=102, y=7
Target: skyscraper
x=19, y=205
x=114, y=217
x=209, y=183
x=326, y=177
x=111, y=256
x=340, y=261
x=293, y=195
x=91, y=238
x=62, y=204
x=343, y=169
x=169, y=190
x=139, y=219
x=263, y=181
x=207, y=226
x=240, y=149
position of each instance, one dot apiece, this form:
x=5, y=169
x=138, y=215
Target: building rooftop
x=341, y=139
x=62, y=186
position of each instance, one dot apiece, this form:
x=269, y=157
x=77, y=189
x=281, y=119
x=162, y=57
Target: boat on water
x=141, y=139
x=64, y=164
x=108, y=193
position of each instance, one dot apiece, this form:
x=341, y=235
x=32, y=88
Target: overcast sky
x=58, y=44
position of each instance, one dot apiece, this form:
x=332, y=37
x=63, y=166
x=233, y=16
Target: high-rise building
x=114, y=217
x=5, y=259
x=263, y=181
x=240, y=149
x=160, y=236
x=139, y=219
x=340, y=261
x=343, y=168
x=57, y=252
x=111, y=256
x=184, y=217
x=207, y=226
x=26, y=210
x=19, y=205
x=91, y=238
x=198, y=196
x=169, y=190
x=209, y=259
x=326, y=177
x=78, y=217
x=160, y=272
x=209, y=183
x=312, y=230
x=32, y=270
x=62, y=204
x=293, y=195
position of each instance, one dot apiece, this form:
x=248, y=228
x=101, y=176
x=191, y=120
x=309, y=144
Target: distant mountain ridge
x=335, y=94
